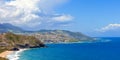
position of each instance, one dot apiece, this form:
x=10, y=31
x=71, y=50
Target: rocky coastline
x=10, y=42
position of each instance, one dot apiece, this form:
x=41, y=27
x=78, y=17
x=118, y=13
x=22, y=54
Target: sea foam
x=15, y=55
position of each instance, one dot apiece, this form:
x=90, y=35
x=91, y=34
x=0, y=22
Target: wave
x=15, y=55
x=102, y=40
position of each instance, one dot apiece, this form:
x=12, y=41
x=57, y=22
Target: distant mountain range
x=53, y=36
x=6, y=27
x=56, y=36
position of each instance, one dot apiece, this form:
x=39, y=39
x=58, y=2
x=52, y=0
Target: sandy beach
x=4, y=54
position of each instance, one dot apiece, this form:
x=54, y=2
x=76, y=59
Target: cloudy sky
x=35, y=14
x=92, y=17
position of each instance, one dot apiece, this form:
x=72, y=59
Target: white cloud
x=63, y=18
x=31, y=12
x=19, y=11
x=110, y=27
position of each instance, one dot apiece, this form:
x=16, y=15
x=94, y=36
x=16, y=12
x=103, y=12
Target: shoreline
x=5, y=53
x=15, y=54
x=11, y=55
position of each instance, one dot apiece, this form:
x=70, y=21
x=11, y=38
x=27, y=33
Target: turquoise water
x=76, y=51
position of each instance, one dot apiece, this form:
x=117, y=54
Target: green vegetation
x=2, y=50
x=10, y=40
x=3, y=58
x=55, y=36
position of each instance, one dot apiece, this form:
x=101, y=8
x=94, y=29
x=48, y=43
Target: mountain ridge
x=6, y=27
x=50, y=36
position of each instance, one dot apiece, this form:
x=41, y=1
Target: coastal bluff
x=12, y=41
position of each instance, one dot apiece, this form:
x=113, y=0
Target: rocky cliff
x=12, y=41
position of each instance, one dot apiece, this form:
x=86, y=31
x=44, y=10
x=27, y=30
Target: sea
x=106, y=49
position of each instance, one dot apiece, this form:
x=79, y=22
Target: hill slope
x=6, y=27
x=48, y=36
x=57, y=36
x=10, y=41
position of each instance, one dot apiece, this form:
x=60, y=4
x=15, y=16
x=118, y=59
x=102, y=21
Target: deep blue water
x=76, y=51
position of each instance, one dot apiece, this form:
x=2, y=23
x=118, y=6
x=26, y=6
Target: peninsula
x=11, y=42
x=13, y=38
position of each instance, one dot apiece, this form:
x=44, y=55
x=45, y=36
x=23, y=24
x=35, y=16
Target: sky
x=91, y=17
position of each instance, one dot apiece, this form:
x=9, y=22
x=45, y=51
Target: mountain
x=58, y=36
x=48, y=36
x=10, y=41
x=6, y=27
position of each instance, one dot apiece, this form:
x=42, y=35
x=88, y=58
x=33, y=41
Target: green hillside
x=10, y=41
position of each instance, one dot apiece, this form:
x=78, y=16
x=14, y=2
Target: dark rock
x=41, y=45
x=20, y=46
x=23, y=46
x=27, y=45
x=15, y=49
